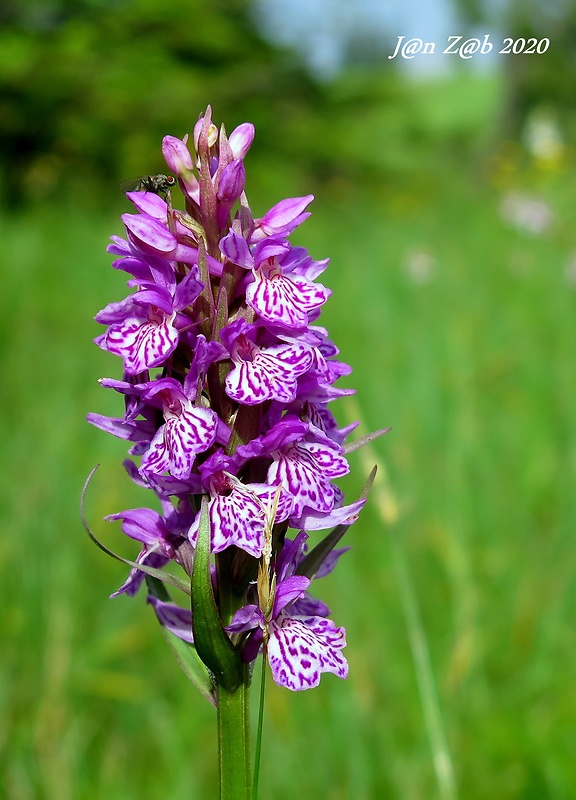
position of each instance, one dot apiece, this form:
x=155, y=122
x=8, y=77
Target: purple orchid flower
x=228, y=382
x=278, y=293
x=187, y=431
x=238, y=513
x=261, y=374
x=143, y=328
x=160, y=535
x=300, y=647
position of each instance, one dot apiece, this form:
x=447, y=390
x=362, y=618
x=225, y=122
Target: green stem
x=259, y=730
x=234, y=741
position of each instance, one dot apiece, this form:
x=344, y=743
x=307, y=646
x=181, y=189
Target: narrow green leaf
x=221, y=318
x=211, y=640
x=191, y=664
x=311, y=562
x=186, y=655
x=369, y=437
x=166, y=577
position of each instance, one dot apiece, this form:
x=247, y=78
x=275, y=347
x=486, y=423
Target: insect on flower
x=158, y=184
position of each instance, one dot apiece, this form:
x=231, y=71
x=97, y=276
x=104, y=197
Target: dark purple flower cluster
x=227, y=385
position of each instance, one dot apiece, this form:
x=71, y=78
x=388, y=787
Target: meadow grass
x=460, y=330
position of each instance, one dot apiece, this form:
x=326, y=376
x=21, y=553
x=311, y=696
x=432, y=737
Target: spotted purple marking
x=271, y=374
x=179, y=440
x=142, y=343
x=284, y=299
x=300, y=649
x=238, y=514
x=305, y=470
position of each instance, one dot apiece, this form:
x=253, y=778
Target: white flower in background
x=542, y=136
x=419, y=265
x=525, y=213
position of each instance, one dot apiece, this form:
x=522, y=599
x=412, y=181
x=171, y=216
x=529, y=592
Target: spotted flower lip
x=284, y=299
x=238, y=513
x=299, y=647
x=187, y=431
x=143, y=328
x=306, y=470
x=261, y=374
x=228, y=383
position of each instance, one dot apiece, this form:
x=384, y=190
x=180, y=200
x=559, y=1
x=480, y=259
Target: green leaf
x=311, y=562
x=211, y=640
x=185, y=652
x=369, y=437
x=166, y=577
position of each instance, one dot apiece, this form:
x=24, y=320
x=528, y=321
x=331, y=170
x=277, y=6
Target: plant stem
x=234, y=741
x=259, y=730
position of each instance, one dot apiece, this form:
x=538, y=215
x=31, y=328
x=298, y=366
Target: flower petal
x=178, y=441
x=175, y=619
x=284, y=299
x=300, y=649
x=270, y=375
x=142, y=343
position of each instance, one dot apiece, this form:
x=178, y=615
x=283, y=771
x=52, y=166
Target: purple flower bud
x=179, y=160
x=176, y=155
x=241, y=138
x=231, y=183
x=211, y=132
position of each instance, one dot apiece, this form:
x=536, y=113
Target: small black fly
x=158, y=184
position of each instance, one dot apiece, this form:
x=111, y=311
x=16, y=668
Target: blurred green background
x=445, y=201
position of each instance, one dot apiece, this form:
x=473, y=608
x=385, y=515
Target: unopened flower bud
x=241, y=138
x=232, y=181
